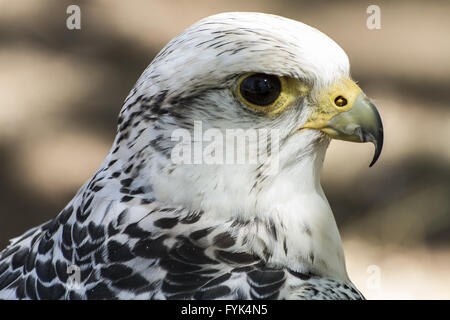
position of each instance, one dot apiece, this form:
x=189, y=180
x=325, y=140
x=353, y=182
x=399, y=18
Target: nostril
x=340, y=101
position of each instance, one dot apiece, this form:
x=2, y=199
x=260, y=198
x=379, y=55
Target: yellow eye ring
x=279, y=91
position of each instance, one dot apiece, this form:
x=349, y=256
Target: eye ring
x=340, y=101
x=286, y=91
x=260, y=89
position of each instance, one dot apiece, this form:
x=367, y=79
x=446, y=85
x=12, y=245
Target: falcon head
x=248, y=71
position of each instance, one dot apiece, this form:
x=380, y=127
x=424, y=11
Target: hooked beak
x=347, y=114
x=362, y=123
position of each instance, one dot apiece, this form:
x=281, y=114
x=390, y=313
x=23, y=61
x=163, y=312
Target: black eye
x=261, y=89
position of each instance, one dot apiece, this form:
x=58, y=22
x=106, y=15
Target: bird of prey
x=148, y=227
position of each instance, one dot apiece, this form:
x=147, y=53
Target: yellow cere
x=291, y=89
x=327, y=107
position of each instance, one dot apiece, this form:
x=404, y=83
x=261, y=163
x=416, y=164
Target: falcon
x=148, y=227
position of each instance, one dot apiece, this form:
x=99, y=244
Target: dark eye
x=260, y=89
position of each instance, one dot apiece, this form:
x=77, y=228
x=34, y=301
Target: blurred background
x=61, y=91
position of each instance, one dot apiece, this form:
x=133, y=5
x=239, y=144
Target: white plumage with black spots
x=145, y=227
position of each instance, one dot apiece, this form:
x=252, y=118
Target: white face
x=197, y=76
x=199, y=72
x=208, y=58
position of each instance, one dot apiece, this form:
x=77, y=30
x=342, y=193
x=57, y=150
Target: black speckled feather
x=132, y=233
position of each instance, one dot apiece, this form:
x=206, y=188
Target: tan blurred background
x=61, y=91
